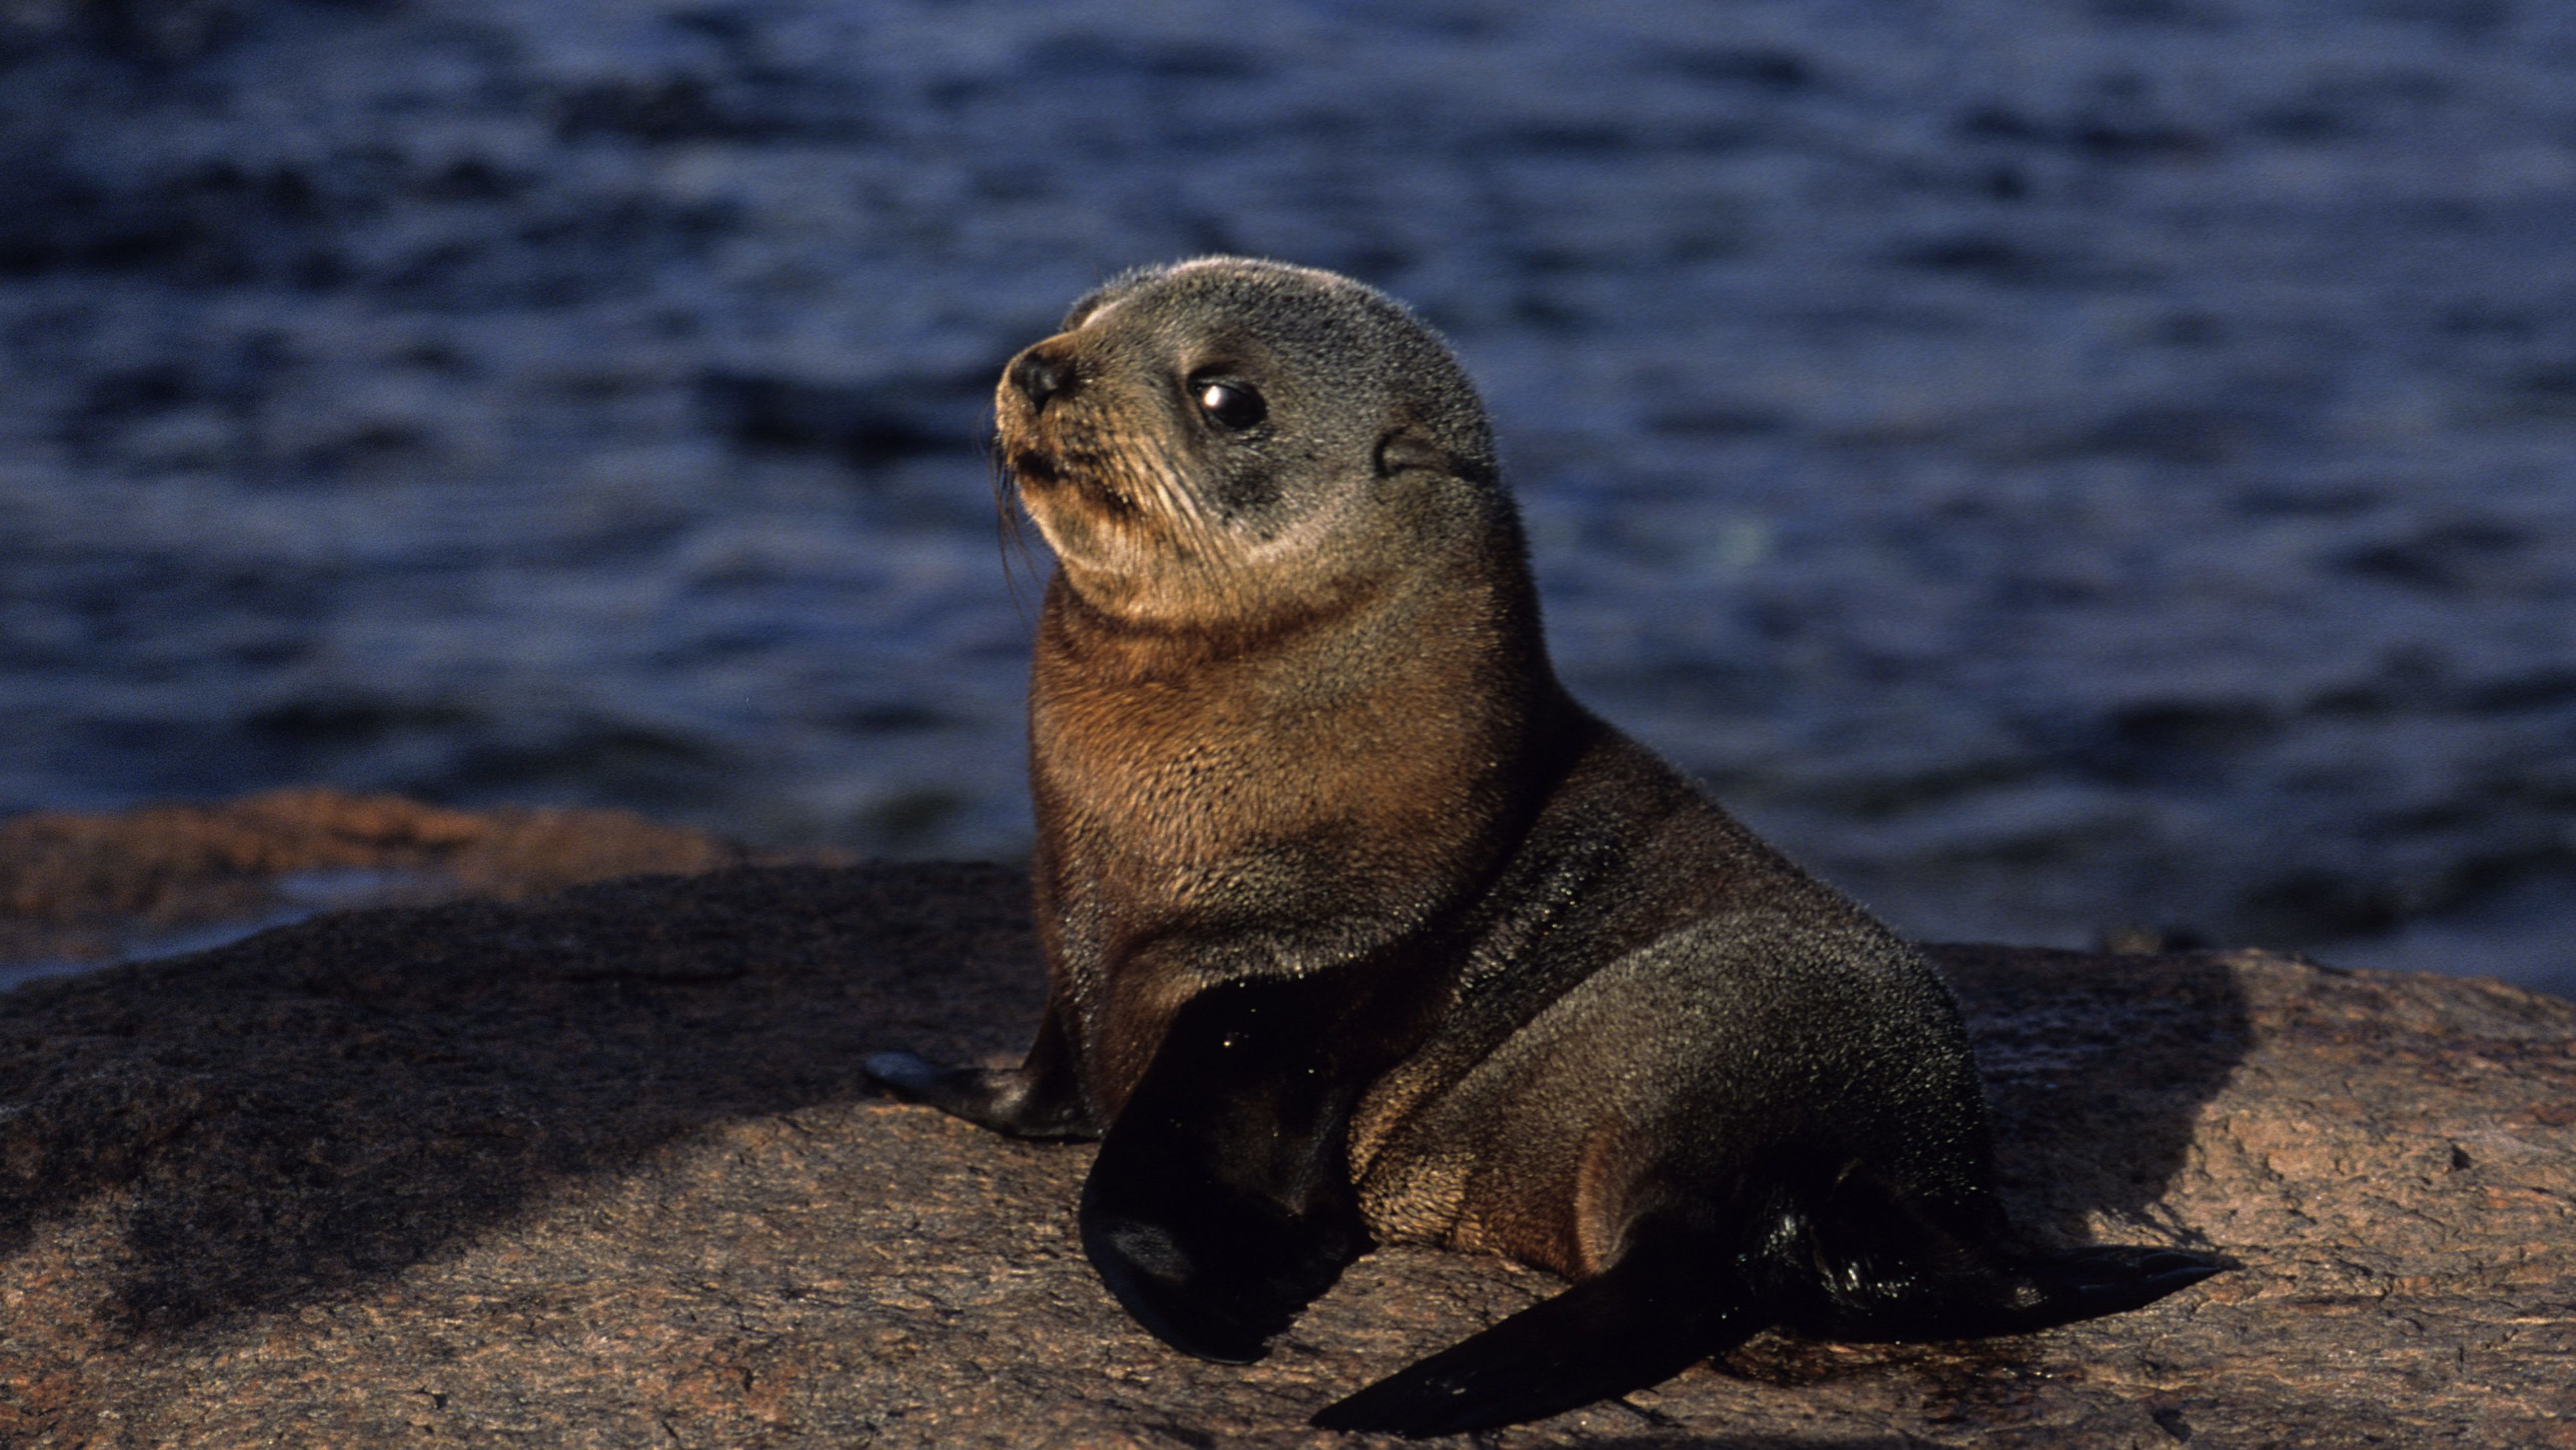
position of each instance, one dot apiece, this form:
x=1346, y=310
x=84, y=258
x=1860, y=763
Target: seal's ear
x=1409, y=448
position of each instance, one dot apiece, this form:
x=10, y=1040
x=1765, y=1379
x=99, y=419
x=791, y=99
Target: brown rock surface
x=601, y=1170
x=98, y=887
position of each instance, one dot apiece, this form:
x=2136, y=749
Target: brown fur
x=1205, y=698
x=1358, y=927
x=1276, y=741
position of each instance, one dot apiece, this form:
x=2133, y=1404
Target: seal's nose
x=1040, y=377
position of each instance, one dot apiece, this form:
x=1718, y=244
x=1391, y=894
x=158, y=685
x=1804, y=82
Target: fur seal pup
x=1358, y=928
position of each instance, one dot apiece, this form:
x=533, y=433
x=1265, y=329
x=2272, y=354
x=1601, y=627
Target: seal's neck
x=1445, y=681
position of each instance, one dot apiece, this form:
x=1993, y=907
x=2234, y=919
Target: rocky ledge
x=599, y=1168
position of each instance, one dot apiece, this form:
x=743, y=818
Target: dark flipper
x=1859, y=1260
x=2001, y=1295
x=1682, y=1294
x=2093, y=1282
x=1221, y=1203
x=1040, y=1098
x=1211, y=1271
x=1673, y=1299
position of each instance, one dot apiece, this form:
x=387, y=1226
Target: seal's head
x=1223, y=439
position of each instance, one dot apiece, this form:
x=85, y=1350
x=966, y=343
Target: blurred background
x=2068, y=471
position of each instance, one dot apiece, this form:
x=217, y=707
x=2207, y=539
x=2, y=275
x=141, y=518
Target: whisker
x=1010, y=532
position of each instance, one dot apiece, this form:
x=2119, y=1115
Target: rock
x=601, y=1169
x=98, y=887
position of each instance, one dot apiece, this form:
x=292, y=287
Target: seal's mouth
x=1029, y=466
x=1034, y=471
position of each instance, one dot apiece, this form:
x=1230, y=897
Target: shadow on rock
x=2097, y=1069
x=325, y=1104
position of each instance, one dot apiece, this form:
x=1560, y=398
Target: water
x=2054, y=468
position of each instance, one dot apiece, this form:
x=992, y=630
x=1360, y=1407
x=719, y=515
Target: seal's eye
x=1232, y=405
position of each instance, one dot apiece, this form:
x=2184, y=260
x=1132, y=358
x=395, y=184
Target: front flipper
x=1676, y=1297
x=1221, y=1203
x=1041, y=1098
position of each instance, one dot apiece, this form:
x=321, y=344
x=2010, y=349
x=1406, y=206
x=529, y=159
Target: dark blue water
x=2053, y=466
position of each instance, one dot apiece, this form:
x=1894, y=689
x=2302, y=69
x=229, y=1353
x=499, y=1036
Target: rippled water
x=2053, y=467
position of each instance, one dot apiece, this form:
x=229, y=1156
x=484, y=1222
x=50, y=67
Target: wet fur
x=1359, y=929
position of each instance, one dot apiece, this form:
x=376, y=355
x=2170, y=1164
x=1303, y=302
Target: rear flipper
x=1862, y=1261
x=2000, y=1295
x=1920, y=1284
x=1673, y=1299
x=2093, y=1282
x=1665, y=1307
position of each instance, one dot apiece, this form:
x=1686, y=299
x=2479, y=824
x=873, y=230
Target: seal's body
x=1358, y=928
